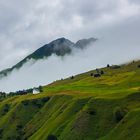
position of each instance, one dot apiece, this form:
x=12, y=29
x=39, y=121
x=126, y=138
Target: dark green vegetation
x=80, y=108
x=59, y=47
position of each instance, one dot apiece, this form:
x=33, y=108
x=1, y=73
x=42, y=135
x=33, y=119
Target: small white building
x=36, y=91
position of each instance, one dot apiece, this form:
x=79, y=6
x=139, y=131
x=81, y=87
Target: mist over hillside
x=58, y=47
x=45, y=71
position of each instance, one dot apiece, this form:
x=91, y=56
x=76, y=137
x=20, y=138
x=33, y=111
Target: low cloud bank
x=45, y=71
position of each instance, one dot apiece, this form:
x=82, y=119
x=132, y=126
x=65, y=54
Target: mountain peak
x=60, y=41
x=84, y=42
x=59, y=47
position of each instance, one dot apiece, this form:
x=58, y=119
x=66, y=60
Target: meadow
x=81, y=107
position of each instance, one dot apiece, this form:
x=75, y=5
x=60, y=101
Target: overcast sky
x=28, y=24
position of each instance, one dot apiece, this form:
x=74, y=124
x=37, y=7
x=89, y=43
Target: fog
x=104, y=51
x=29, y=24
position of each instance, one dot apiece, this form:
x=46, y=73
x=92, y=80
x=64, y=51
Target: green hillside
x=82, y=107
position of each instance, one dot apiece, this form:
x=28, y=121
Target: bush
x=40, y=88
x=72, y=77
x=19, y=127
x=6, y=109
x=91, y=111
x=102, y=72
x=51, y=137
x=44, y=100
x=91, y=74
x=1, y=130
x=108, y=65
x=119, y=113
x=98, y=71
x=1, y=133
x=26, y=102
x=37, y=102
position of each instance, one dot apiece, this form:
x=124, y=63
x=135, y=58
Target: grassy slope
x=83, y=108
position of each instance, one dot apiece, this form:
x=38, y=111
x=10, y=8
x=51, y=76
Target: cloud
x=27, y=25
x=54, y=68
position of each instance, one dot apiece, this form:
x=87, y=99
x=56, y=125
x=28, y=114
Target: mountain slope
x=59, y=47
x=80, y=108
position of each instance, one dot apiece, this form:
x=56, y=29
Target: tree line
x=20, y=92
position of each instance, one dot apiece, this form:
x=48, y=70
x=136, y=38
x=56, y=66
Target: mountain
x=59, y=47
x=84, y=42
x=82, y=107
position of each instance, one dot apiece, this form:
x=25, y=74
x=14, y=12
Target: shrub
x=98, y=71
x=37, y=102
x=45, y=99
x=108, y=65
x=6, y=109
x=19, y=127
x=51, y=137
x=40, y=88
x=26, y=102
x=102, y=72
x=72, y=77
x=1, y=133
x=91, y=111
x=91, y=74
x=119, y=113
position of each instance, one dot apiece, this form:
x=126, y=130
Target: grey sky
x=27, y=25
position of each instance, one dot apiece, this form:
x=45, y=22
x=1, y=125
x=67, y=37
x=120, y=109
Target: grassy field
x=83, y=108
